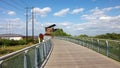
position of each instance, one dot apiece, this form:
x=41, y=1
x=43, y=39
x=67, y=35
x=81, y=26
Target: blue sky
x=91, y=17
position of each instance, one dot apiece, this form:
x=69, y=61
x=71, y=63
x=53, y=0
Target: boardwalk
x=69, y=55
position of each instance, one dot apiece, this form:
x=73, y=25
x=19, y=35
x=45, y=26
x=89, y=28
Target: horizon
x=75, y=17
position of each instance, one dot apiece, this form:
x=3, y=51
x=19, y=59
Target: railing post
x=98, y=41
x=92, y=43
x=83, y=42
x=87, y=43
x=46, y=47
x=1, y=63
x=37, y=56
x=42, y=55
x=44, y=52
x=119, y=51
x=49, y=45
x=79, y=41
x=107, y=48
x=25, y=59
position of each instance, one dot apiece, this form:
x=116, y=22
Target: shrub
x=22, y=42
x=5, y=51
x=6, y=42
x=29, y=40
x=1, y=42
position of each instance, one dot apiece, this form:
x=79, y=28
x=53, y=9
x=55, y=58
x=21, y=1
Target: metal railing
x=110, y=48
x=30, y=57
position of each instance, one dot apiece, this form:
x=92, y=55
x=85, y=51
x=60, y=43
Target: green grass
x=8, y=49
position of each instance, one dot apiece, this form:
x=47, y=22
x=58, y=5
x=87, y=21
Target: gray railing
x=30, y=57
x=109, y=48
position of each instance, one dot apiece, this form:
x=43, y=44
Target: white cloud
x=117, y=7
x=99, y=22
x=97, y=11
x=14, y=20
x=65, y=23
x=105, y=18
x=96, y=21
x=11, y=13
x=62, y=12
x=75, y=11
x=42, y=12
x=13, y=25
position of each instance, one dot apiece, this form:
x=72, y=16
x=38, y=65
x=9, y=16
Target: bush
x=6, y=42
x=5, y=51
x=29, y=40
x=0, y=42
x=13, y=43
x=22, y=42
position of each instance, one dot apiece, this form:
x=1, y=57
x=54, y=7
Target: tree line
x=112, y=36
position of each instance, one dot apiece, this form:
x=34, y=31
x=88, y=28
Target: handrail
x=29, y=57
x=110, y=48
x=16, y=52
x=87, y=38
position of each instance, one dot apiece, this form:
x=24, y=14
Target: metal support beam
x=33, y=24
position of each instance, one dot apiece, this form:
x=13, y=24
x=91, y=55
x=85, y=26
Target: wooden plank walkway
x=69, y=55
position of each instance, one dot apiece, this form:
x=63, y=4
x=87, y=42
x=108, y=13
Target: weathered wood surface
x=69, y=55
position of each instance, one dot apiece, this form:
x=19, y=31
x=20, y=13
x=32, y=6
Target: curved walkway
x=69, y=55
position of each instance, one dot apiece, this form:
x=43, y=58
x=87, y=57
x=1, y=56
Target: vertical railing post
x=37, y=56
x=119, y=51
x=42, y=53
x=92, y=43
x=79, y=41
x=49, y=45
x=87, y=43
x=107, y=48
x=25, y=59
x=98, y=41
x=1, y=63
x=44, y=50
x=83, y=41
x=46, y=47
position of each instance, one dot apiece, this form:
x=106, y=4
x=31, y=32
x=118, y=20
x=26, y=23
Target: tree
x=113, y=36
x=60, y=32
x=83, y=35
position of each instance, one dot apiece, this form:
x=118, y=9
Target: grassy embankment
x=8, y=46
x=8, y=49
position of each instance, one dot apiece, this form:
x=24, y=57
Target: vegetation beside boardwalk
x=8, y=49
x=8, y=46
x=110, y=36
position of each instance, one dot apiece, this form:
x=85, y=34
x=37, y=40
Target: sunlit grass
x=8, y=49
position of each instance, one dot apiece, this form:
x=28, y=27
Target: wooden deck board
x=69, y=55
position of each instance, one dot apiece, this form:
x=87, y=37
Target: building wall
x=12, y=38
